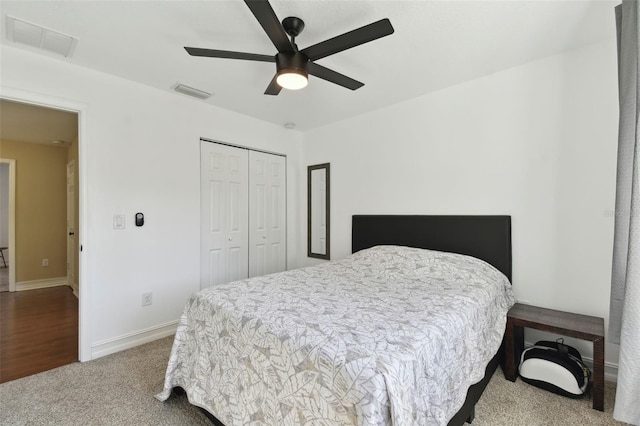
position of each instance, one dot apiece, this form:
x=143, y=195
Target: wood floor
x=38, y=331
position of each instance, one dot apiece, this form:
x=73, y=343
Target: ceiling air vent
x=34, y=35
x=197, y=93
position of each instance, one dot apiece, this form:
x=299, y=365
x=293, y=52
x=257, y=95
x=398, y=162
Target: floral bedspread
x=387, y=336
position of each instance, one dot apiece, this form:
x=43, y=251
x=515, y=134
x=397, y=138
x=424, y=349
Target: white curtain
x=624, y=320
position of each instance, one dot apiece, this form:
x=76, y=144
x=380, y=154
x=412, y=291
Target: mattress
x=387, y=336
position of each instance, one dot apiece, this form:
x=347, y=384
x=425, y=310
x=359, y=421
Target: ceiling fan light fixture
x=292, y=70
x=292, y=79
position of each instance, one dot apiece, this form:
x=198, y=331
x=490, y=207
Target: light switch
x=118, y=221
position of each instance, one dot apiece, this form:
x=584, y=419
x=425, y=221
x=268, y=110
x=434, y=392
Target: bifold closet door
x=224, y=196
x=267, y=213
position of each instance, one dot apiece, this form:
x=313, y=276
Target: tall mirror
x=318, y=211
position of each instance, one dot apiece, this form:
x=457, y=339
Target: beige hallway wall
x=40, y=209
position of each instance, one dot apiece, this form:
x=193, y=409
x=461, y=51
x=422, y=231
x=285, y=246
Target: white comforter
x=388, y=336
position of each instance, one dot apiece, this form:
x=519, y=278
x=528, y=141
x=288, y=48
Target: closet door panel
x=267, y=236
x=224, y=214
x=214, y=268
x=278, y=205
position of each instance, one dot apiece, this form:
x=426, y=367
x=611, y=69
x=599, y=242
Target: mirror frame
x=326, y=167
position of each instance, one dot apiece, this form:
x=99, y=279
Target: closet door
x=267, y=214
x=224, y=214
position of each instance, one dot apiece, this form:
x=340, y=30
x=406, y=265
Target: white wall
x=4, y=205
x=537, y=142
x=139, y=152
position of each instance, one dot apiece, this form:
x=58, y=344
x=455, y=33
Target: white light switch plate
x=118, y=221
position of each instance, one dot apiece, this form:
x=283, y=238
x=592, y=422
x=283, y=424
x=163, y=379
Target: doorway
x=42, y=143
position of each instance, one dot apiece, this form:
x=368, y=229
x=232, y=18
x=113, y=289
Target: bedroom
x=536, y=141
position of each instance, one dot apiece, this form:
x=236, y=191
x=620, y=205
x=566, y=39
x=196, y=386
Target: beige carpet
x=119, y=390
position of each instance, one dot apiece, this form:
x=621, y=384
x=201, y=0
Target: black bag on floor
x=555, y=367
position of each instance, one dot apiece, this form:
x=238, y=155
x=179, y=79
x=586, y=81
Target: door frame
x=12, y=221
x=84, y=305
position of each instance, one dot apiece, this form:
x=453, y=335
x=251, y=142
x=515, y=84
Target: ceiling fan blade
x=211, y=53
x=348, y=40
x=332, y=76
x=273, y=88
x=265, y=15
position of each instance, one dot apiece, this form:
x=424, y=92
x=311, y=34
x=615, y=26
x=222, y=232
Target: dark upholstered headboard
x=486, y=237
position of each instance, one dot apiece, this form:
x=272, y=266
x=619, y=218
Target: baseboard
x=45, y=283
x=130, y=340
x=610, y=368
x=76, y=289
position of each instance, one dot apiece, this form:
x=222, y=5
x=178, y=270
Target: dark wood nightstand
x=573, y=325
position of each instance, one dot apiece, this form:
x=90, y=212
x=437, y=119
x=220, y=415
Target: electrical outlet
x=147, y=299
x=45, y=262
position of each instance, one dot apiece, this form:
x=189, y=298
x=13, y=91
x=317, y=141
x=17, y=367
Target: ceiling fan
x=293, y=66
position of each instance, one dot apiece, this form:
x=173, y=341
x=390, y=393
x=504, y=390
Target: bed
x=393, y=334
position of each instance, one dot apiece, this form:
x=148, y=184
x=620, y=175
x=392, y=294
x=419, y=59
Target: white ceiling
x=436, y=44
